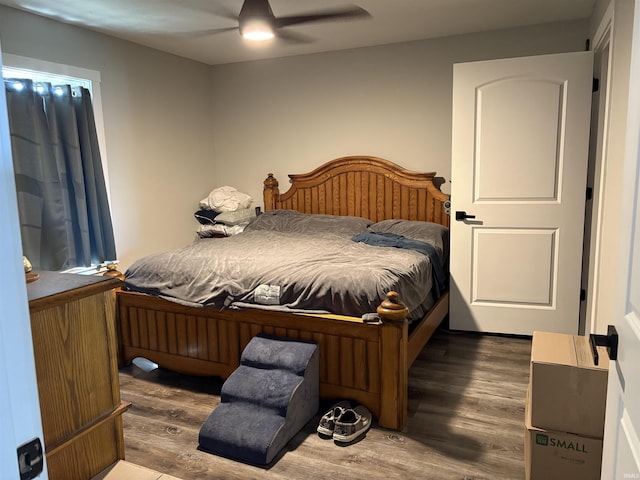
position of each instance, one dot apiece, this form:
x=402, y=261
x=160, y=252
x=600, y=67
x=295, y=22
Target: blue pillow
x=206, y=217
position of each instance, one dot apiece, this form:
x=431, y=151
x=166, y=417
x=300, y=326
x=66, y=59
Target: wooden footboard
x=362, y=362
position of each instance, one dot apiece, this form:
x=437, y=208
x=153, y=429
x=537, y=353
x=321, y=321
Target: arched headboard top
x=361, y=186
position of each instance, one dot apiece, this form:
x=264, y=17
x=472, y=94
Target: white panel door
x=19, y=405
x=519, y=165
x=621, y=451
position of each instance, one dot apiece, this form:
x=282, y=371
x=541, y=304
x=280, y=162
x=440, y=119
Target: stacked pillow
x=225, y=211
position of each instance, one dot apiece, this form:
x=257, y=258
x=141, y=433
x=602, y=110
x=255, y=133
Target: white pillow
x=236, y=217
x=226, y=199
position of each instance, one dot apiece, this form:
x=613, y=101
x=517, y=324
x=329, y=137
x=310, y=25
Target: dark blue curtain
x=62, y=198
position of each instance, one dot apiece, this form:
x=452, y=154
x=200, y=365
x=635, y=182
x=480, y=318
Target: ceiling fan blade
x=217, y=10
x=203, y=33
x=292, y=37
x=225, y=13
x=353, y=12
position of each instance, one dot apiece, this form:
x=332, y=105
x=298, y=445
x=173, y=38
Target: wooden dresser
x=74, y=343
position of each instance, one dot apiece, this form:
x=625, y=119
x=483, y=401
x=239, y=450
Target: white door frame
x=19, y=404
x=602, y=41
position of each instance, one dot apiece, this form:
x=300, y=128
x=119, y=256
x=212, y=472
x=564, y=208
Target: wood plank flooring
x=466, y=421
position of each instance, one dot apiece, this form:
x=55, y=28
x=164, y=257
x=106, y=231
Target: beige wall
x=166, y=151
x=291, y=114
x=157, y=116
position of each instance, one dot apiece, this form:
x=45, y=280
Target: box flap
x=556, y=348
x=527, y=408
x=584, y=355
x=130, y=471
x=562, y=349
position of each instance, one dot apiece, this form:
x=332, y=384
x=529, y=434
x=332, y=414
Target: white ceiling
x=169, y=25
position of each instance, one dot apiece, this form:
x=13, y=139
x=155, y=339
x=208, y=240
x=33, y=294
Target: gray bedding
x=289, y=261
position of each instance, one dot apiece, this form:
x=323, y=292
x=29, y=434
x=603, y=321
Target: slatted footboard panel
x=186, y=343
x=210, y=342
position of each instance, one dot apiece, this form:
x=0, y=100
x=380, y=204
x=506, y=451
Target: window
x=57, y=74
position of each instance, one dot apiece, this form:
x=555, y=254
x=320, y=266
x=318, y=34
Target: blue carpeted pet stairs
x=265, y=401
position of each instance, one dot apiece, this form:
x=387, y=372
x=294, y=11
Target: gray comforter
x=300, y=268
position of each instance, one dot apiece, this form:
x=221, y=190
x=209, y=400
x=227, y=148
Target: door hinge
x=596, y=85
x=583, y=294
x=589, y=193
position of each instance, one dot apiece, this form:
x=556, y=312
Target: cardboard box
x=551, y=455
x=130, y=471
x=568, y=392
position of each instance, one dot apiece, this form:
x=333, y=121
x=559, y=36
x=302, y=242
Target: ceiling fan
x=256, y=20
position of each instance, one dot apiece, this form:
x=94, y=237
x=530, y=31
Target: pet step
x=265, y=402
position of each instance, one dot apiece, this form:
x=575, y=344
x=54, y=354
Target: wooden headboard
x=361, y=186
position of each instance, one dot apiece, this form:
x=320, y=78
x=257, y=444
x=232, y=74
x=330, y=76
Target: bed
x=366, y=362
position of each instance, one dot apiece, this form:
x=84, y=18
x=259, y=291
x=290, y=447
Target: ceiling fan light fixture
x=256, y=29
x=256, y=21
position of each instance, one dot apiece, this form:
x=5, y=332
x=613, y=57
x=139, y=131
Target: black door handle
x=462, y=215
x=610, y=340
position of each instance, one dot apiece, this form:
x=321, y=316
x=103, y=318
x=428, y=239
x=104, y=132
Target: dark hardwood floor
x=466, y=421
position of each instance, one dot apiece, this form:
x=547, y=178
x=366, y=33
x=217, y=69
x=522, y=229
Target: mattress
x=294, y=262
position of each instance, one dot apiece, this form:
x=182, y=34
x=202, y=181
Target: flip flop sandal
x=328, y=420
x=351, y=424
